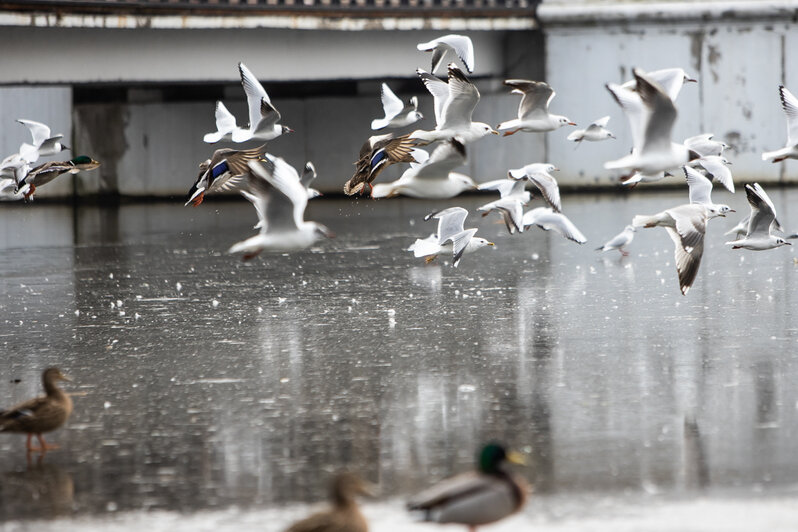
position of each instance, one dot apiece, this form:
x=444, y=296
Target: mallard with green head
x=42, y=414
x=344, y=515
x=478, y=497
x=44, y=173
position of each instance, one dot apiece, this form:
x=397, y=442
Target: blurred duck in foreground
x=344, y=515
x=40, y=415
x=476, y=498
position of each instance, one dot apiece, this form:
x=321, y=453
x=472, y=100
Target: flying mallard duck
x=44, y=173
x=344, y=516
x=377, y=154
x=224, y=170
x=478, y=497
x=42, y=414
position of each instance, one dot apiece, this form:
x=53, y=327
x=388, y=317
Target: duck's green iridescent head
x=492, y=456
x=81, y=159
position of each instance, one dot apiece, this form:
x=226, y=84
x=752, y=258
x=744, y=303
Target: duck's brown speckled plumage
x=42, y=414
x=344, y=515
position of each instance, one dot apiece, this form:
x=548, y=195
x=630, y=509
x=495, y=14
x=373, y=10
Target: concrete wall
x=739, y=66
x=151, y=55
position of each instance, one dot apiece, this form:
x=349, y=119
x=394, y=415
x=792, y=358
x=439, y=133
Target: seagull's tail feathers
x=576, y=136
x=631, y=180
x=384, y=190
x=641, y=220
x=212, y=138
x=776, y=155
x=619, y=164
x=379, y=123
x=510, y=124
x=249, y=247
x=424, y=247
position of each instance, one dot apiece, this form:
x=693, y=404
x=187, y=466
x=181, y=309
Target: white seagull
x=43, y=144
x=653, y=151
x=397, y=114
x=432, y=179
x=454, y=103
x=459, y=44
x=704, y=145
x=670, y=79
x=790, y=150
x=538, y=174
x=533, y=111
x=280, y=201
x=263, y=116
x=701, y=191
x=308, y=175
x=620, y=241
x=548, y=220
x=513, y=196
x=450, y=237
x=762, y=221
x=595, y=132
x=686, y=225
x=508, y=188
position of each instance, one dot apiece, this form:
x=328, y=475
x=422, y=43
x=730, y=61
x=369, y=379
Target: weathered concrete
x=169, y=56
x=739, y=67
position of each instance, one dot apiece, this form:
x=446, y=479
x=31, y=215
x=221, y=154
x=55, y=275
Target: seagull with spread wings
x=533, y=111
x=790, y=150
x=280, y=199
x=759, y=236
x=454, y=102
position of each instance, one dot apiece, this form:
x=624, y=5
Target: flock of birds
x=280, y=195
x=19, y=179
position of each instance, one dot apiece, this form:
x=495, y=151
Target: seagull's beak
x=788, y=243
x=491, y=244
x=515, y=457
x=732, y=210
x=690, y=80
x=556, y=169
x=571, y=123
x=613, y=136
x=728, y=163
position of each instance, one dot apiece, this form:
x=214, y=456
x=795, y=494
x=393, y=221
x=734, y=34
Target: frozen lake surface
x=212, y=394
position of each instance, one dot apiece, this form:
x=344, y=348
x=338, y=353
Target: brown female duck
x=344, y=516
x=40, y=415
